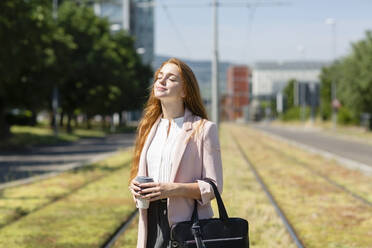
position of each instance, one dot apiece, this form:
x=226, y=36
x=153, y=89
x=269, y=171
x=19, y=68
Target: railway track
x=286, y=222
x=289, y=227
x=111, y=240
x=319, y=174
x=57, y=198
x=280, y=212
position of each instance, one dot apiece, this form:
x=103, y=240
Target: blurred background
x=75, y=74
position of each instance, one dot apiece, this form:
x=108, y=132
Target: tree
x=356, y=82
x=103, y=74
x=353, y=78
x=26, y=30
x=327, y=76
x=288, y=93
x=96, y=72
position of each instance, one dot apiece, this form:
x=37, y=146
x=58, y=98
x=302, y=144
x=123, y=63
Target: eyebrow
x=168, y=74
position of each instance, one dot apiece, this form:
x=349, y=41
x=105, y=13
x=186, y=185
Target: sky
x=270, y=32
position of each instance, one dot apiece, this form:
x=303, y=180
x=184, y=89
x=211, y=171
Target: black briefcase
x=222, y=232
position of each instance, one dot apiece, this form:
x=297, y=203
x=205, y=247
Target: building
x=270, y=78
x=135, y=16
x=203, y=71
x=142, y=28
x=238, y=92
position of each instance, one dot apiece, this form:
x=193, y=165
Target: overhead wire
x=176, y=30
x=252, y=5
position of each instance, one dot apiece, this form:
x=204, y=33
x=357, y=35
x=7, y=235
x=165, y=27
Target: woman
x=178, y=147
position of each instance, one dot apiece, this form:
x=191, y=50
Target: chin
x=159, y=95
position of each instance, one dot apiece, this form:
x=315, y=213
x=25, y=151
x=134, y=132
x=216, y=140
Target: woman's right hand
x=135, y=189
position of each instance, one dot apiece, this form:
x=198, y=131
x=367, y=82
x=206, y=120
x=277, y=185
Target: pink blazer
x=194, y=160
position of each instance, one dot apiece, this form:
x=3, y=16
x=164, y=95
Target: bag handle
x=221, y=207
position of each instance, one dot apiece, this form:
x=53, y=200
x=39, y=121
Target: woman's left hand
x=156, y=191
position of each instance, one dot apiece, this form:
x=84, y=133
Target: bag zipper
x=214, y=240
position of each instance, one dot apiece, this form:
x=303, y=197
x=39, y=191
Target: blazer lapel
x=142, y=168
x=182, y=143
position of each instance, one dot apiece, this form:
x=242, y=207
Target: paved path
x=41, y=160
x=355, y=151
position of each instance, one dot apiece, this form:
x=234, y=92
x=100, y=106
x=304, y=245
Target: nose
x=162, y=81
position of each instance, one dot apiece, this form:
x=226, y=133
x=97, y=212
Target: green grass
x=353, y=180
x=18, y=201
x=27, y=136
x=85, y=218
x=323, y=215
x=83, y=208
x=245, y=199
x=357, y=133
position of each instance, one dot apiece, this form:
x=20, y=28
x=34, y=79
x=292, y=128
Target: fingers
x=153, y=196
x=135, y=185
x=150, y=191
x=148, y=185
x=135, y=189
x=135, y=182
x=146, y=191
x=136, y=194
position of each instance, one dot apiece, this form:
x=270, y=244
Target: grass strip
x=129, y=238
x=323, y=215
x=86, y=218
x=353, y=180
x=243, y=197
x=356, y=133
x=27, y=136
x=19, y=201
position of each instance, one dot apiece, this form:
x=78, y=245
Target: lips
x=161, y=88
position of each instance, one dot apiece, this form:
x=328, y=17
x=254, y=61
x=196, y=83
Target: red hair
x=192, y=101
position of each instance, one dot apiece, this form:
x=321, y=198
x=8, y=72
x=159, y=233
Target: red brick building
x=238, y=92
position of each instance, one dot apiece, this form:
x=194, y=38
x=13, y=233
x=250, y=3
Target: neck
x=172, y=110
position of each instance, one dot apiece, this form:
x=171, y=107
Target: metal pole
x=332, y=22
x=215, y=93
x=55, y=9
x=55, y=102
x=334, y=95
x=312, y=101
x=303, y=103
x=126, y=15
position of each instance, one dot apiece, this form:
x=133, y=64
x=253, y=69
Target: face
x=168, y=85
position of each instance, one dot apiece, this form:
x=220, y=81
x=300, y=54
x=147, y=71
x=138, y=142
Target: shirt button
x=165, y=212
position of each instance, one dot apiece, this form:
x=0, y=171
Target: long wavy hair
x=192, y=101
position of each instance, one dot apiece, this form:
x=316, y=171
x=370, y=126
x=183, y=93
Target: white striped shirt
x=160, y=154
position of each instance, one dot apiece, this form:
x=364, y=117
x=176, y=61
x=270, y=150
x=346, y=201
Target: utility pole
x=332, y=22
x=55, y=87
x=126, y=15
x=215, y=74
x=215, y=91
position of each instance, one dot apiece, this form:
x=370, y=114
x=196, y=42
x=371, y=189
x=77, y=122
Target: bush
x=294, y=113
x=345, y=116
x=20, y=117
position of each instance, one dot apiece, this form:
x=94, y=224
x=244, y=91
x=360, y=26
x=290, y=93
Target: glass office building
x=141, y=22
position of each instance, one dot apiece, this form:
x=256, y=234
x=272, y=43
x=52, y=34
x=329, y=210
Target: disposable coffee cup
x=143, y=203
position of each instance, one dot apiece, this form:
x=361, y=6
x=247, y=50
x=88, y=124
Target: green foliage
x=96, y=71
x=345, y=116
x=327, y=76
x=26, y=29
x=294, y=113
x=353, y=78
x=288, y=94
x=63, y=211
x=265, y=104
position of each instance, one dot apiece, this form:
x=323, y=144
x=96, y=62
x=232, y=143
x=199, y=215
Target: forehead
x=170, y=68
